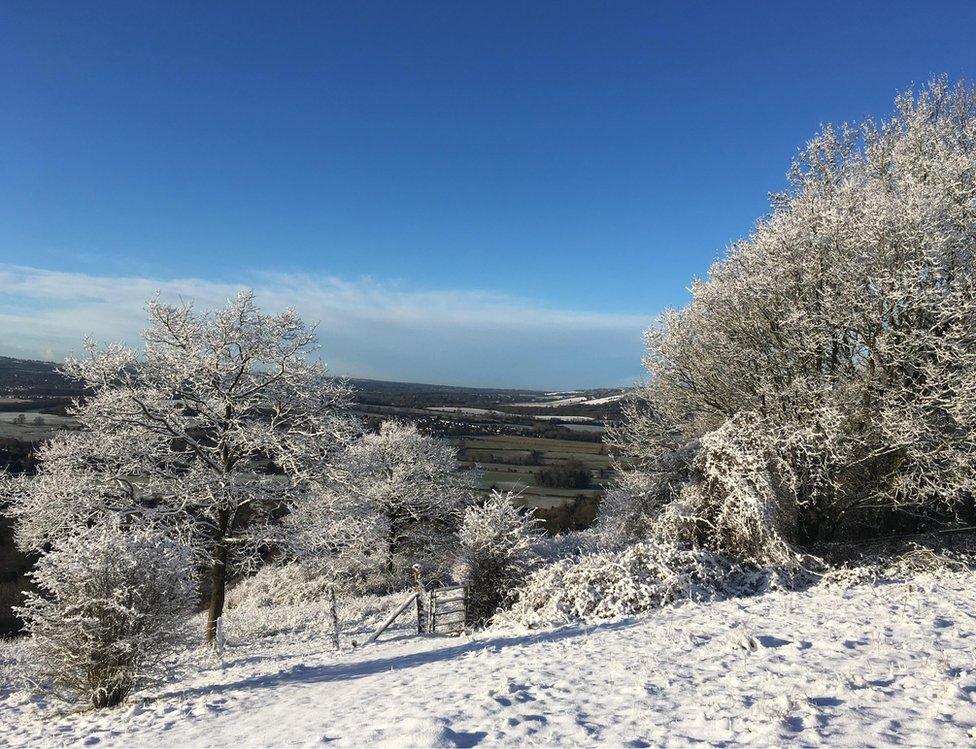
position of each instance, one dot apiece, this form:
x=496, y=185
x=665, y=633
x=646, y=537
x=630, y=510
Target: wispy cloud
x=367, y=328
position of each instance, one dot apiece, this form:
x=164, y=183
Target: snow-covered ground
x=580, y=400
x=872, y=665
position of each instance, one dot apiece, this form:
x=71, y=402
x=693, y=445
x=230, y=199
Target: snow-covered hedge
x=612, y=584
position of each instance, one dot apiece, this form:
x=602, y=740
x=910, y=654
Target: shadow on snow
x=348, y=671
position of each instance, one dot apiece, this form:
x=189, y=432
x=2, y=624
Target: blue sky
x=493, y=194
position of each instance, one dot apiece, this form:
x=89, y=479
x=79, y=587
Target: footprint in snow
x=794, y=723
x=751, y=644
x=825, y=701
x=520, y=692
x=428, y=732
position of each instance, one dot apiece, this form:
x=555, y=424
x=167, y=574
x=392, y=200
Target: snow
x=553, y=403
x=883, y=664
x=608, y=399
x=578, y=400
x=560, y=417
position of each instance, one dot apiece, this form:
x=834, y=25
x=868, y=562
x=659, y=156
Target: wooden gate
x=448, y=610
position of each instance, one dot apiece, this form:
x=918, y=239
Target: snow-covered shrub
x=335, y=535
x=739, y=503
x=918, y=559
x=651, y=469
x=496, y=553
x=281, y=585
x=278, y=599
x=901, y=561
x=616, y=583
x=630, y=506
x=729, y=531
x=564, y=545
x=114, y=603
x=813, y=456
x=846, y=324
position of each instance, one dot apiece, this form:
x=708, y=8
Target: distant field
x=511, y=462
x=12, y=403
x=31, y=430
x=507, y=461
x=518, y=442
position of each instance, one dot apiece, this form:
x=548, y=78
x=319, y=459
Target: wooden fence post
x=418, y=583
x=433, y=610
x=335, y=617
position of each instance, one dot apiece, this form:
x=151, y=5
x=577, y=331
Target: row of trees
x=21, y=420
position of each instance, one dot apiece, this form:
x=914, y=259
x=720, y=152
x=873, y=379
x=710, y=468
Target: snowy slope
x=873, y=665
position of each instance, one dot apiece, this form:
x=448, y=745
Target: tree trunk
x=391, y=544
x=335, y=617
x=218, y=585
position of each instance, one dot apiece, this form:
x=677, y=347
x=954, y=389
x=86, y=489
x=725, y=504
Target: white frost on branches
x=740, y=502
x=219, y=427
x=415, y=486
x=497, y=551
x=338, y=535
x=114, y=603
x=827, y=367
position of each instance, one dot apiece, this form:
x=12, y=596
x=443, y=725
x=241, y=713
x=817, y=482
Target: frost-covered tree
x=844, y=326
x=414, y=483
x=113, y=602
x=219, y=427
x=338, y=536
x=496, y=553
